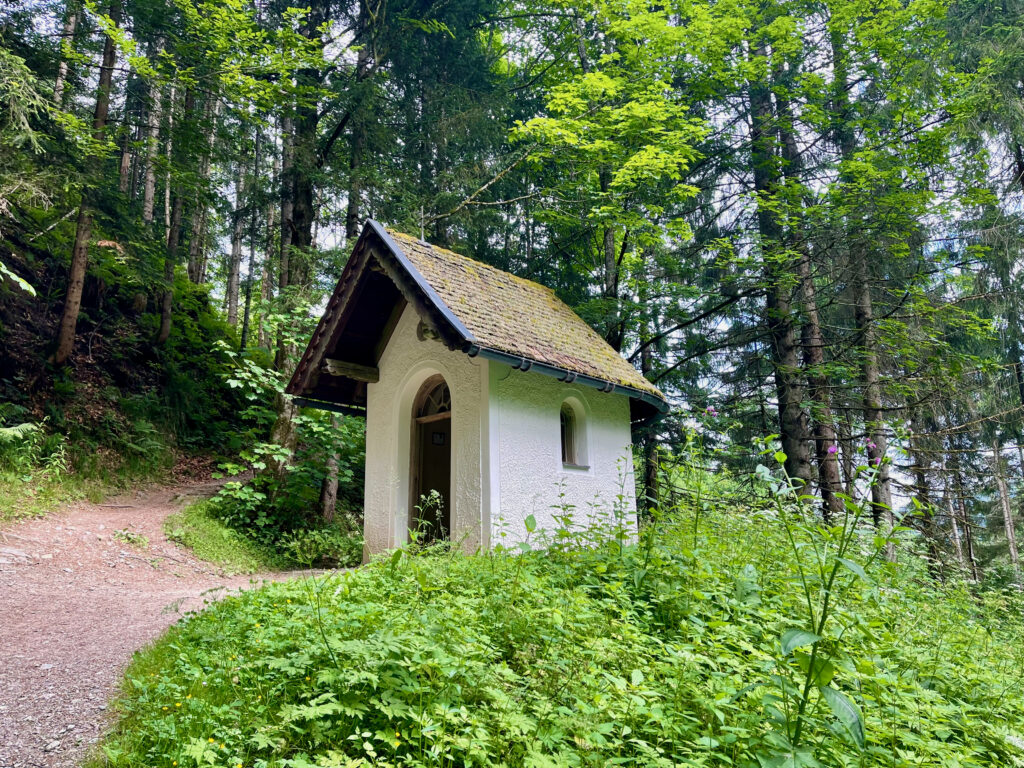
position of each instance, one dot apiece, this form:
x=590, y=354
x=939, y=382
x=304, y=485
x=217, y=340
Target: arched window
x=434, y=399
x=568, y=423
x=572, y=422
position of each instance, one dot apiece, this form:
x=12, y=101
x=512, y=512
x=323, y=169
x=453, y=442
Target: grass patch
x=197, y=528
x=30, y=487
x=27, y=496
x=684, y=649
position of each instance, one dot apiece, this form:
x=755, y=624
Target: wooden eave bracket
x=354, y=371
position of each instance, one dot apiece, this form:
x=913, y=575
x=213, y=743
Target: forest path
x=75, y=602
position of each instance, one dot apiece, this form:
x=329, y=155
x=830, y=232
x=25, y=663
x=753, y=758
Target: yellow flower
x=307, y=677
x=174, y=763
x=177, y=704
x=189, y=696
x=165, y=709
x=210, y=740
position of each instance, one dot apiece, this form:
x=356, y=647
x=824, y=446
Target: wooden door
x=431, y=461
x=435, y=474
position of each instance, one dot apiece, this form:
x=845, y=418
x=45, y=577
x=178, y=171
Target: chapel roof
x=471, y=306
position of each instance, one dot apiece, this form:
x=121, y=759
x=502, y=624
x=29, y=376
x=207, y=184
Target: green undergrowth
x=199, y=529
x=691, y=647
x=37, y=488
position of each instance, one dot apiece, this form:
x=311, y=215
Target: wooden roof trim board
x=540, y=347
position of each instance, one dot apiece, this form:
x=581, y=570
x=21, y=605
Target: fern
x=9, y=435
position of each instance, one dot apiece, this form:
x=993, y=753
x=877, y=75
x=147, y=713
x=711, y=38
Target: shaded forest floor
x=80, y=591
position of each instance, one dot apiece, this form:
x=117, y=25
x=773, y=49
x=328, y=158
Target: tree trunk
x=67, y=37
x=871, y=392
x=173, y=215
x=283, y=433
x=83, y=227
x=954, y=521
x=922, y=493
x=153, y=118
x=235, y=260
x=204, y=258
x=823, y=433
x=196, y=243
x=359, y=136
x=304, y=159
x=124, y=173
x=168, y=150
x=197, y=238
x=247, y=314
x=860, y=279
x=170, y=261
x=1009, y=524
x=651, y=458
x=266, y=292
x=287, y=230
x=329, y=485
x=826, y=447
x=968, y=528
x=780, y=319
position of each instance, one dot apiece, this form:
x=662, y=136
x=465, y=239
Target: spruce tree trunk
x=197, y=237
x=235, y=259
x=124, y=173
x=168, y=151
x=170, y=261
x=153, y=118
x=1009, y=524
x=304, y=163
x=359, y=134
x=780, y=318
x=83, y=226
x=247, y=313
x=826, y=446
x=968, y=529
x=651, y=458
x=860, y=280
x=266, y=288
x=823, y=432
x=67, y=37
x=954, y=521
x=871, y=392
x=174, y=218
x=287, y=227
x=922, y=492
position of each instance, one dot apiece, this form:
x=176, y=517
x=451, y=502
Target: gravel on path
x=76, y=599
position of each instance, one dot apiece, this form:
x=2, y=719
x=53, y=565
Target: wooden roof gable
x=470, y=306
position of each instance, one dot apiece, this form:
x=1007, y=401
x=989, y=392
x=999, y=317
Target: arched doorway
x=431, y=480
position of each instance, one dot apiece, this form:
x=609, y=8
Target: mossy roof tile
x=517, y=316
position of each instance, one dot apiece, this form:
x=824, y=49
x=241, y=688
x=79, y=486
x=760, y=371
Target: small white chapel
x=486, y=398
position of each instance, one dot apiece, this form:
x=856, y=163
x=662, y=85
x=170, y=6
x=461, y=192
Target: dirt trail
x=75, y=602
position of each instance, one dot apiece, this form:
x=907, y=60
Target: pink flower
x=878, y=461
x=832, y=450
x=710, y=411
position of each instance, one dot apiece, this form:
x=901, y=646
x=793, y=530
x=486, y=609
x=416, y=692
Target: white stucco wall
x=506, y=447
x=527, y=475
x=405, y=364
